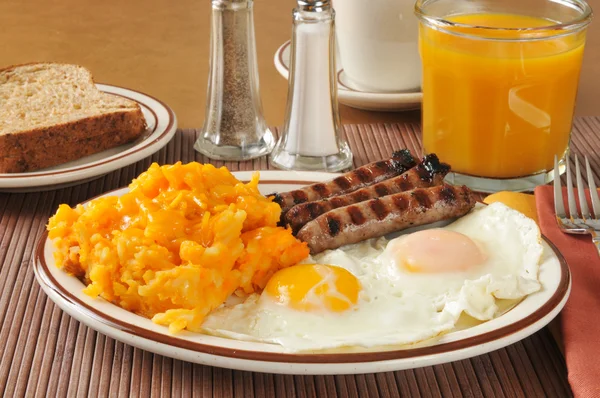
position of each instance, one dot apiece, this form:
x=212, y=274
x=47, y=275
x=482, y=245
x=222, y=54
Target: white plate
x=161, y=122
x=530, y=315
x=357, y=99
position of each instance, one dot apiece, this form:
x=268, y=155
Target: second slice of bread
x=53, y=113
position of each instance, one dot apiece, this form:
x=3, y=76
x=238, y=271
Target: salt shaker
x=234, y=126
x=311, y=137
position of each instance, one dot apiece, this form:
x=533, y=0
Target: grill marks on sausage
x=379, y=209
x=447, y=195
x=384, y=169
x=336, y=201
x=360, y=196
x=334, y=225
x=299, y=196
x=361, y=177
x=321, y=189
x=422, y=198
x=343, y=182
x=429, y=172
x=465, y=193
x=301, y=214
x=378, y=217
x=380, y=164
x=357, y=216
x=314, y=209
x=381, y=190
x=401, y=203
x=405, y=184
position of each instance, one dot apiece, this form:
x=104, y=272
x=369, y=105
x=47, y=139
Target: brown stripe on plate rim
x=42, y=269
x=148, y=142
x=270, y=182
x=281, y=51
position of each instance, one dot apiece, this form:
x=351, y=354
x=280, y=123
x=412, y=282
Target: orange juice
x=499, y=103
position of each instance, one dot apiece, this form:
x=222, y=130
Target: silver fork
x=576, y=222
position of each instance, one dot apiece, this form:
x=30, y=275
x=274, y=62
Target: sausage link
x=378, y=217
x=351, y=181
x=428, y=173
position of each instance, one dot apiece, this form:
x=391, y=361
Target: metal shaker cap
x=314, y=5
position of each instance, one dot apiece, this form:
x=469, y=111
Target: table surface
x=161, y=48
x=46, y=351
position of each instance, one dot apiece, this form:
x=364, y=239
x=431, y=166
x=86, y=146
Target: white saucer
x=161, y=125
x=354, y=98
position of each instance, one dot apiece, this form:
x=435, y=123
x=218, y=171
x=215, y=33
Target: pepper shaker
x=234, y=126
x=311, y=137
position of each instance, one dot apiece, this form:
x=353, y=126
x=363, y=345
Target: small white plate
x=357, y=99
x=527, y=317
x=161, y=122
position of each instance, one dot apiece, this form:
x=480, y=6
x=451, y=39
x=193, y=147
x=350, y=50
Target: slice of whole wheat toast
x=53, y=113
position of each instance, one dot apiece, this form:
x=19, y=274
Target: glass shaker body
x=234, y=126
x=311, y=137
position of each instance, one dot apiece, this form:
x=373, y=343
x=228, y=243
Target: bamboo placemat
x=44, y=352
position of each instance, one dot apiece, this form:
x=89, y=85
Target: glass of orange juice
x=499, y=86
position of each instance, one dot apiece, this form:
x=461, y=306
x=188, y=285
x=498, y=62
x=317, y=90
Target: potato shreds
x=182, y=240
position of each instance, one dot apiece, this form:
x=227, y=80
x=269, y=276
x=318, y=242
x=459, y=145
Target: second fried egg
x=400, y=291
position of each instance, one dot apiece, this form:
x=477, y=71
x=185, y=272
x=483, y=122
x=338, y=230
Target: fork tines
x=574, y=214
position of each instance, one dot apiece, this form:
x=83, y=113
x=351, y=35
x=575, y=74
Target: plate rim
x=554, y=303
x=101, y=166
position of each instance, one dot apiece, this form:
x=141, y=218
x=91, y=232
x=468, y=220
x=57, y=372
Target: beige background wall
x=160, y=47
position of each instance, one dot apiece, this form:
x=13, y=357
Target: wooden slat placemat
x=44, y=352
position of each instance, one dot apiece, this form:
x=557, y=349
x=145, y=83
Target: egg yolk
x=435, y=251
x=314, y=287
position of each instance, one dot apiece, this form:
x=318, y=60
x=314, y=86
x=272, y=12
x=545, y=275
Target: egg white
x=396, y=306
x=512, y=243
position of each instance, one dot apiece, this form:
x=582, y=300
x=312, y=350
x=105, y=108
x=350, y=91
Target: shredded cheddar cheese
x=182, y=240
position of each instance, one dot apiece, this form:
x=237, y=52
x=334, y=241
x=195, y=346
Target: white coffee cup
x=378, y=44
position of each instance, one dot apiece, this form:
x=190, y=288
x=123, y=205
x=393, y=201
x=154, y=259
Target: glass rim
x=530, y=33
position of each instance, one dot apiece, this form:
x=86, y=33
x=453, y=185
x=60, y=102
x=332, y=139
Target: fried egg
x=399, y=291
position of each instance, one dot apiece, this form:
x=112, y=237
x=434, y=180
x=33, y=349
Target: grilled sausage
x=351, y=181
x=378, y=217
x=429, y=172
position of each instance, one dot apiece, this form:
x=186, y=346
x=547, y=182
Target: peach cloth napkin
x=580, y=319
